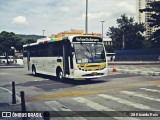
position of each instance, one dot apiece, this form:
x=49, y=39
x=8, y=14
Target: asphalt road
x=116, y=92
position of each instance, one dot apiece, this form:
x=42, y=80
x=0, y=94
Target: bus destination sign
x=87, y=39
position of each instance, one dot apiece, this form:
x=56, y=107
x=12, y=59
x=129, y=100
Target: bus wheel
x=59, y=74
x=34, y=71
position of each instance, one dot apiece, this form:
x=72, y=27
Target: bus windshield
x=89, y=53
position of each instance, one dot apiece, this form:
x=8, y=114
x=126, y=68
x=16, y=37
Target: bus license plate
x=94, y=73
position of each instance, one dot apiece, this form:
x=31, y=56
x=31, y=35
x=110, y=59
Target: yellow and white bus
x=76, y=57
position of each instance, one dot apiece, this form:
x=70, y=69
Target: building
x=68, y=33
x=145, y=16
x=107, y=41
x=72, y=32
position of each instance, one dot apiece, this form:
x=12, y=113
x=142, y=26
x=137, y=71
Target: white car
x=3, y=59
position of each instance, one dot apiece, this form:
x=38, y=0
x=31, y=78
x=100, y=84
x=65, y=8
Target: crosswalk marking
x=140, y=95
x=56, y=106
x=152, y=90
x=93, y=105
x=132, y=104
x=99, y=107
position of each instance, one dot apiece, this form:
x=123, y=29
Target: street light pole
x=43, y=32
x=86, y=23
x=123, y=42
x=102, y=28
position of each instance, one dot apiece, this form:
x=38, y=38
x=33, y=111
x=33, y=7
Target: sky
x=54, y=16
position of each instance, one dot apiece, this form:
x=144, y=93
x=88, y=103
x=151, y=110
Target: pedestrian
x=111, y=58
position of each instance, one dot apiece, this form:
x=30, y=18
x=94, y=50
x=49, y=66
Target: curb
x=134, y=63
x=138, y=72
x=11, y=67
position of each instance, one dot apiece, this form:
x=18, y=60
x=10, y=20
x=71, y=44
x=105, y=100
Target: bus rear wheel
x=59, y=74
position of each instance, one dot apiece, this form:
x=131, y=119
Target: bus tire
x=59, y=74
x=34, y=71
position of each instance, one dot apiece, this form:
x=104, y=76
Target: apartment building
x=145, y=16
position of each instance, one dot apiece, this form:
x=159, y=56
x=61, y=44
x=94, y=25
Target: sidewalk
x=134, y=63
x=6, y=104
x=136, y=67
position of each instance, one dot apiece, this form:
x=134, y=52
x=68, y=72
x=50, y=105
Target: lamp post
x=86, y=22
x=43, y=32
x=102, y=28
x=123, y=42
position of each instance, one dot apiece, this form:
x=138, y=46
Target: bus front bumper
x=81, y=75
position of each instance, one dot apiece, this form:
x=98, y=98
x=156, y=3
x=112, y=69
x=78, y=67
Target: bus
x=76, y=57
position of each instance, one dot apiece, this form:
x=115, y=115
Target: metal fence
x=137, y=55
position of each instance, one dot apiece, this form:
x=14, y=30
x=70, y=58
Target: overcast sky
x=33, y=16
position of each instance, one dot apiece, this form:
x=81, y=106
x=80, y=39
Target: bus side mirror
x=103, y=54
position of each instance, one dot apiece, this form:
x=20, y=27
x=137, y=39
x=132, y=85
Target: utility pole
x=102, y=28
x=43, y=32
x=123, y=42
x=86, y=23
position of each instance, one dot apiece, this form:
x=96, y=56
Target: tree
x=8, y=40
x=154, y=22
x=115, y=35
x=127, y=32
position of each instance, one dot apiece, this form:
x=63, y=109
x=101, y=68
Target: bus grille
x=98, y=74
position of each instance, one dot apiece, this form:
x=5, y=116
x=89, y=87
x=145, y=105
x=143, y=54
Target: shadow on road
x=50, y=83
x=70, y=81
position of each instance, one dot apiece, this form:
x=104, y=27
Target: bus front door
x=66, y=48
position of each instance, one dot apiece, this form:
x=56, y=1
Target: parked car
x=3, y=59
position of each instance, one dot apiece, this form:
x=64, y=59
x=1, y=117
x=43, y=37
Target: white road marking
x=140, y=95
x=92, y=104
x=42, y=80
x=56, y=106
x=18, y=99
x=126, y=102
x=152, y=90
x=4, y=73
x=99, y=107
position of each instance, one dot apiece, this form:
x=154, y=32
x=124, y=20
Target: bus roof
x=50, y=39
